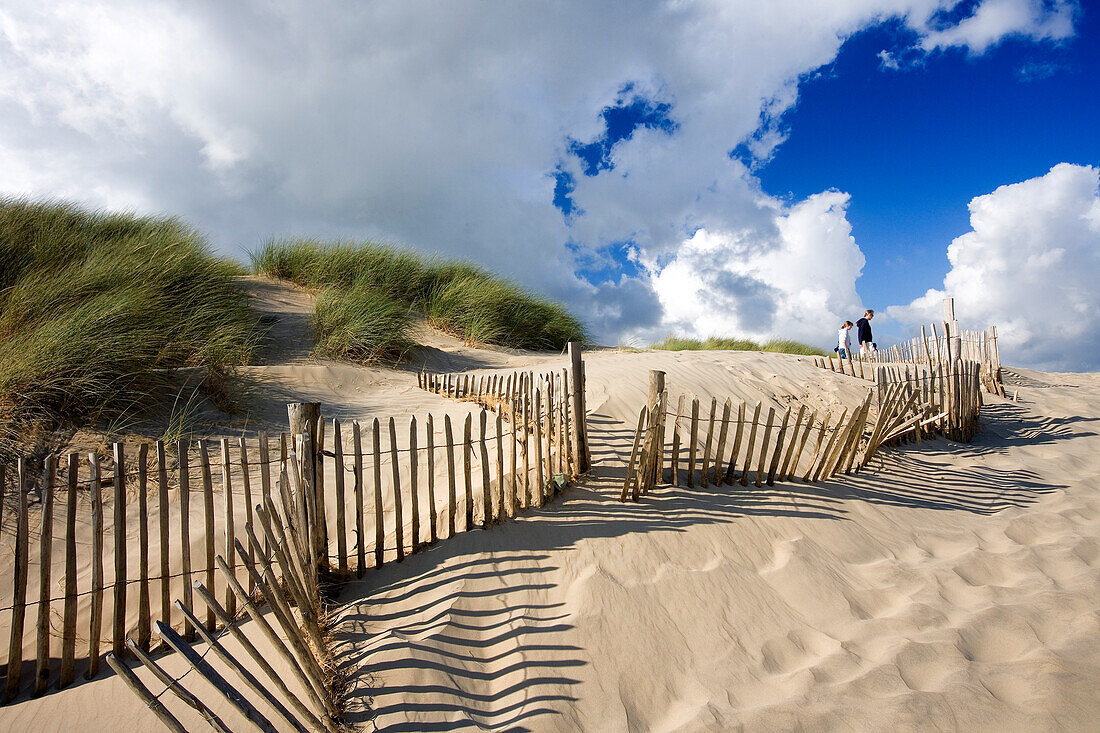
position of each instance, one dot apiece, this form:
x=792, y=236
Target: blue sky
x=885, y=153
x=914, y=145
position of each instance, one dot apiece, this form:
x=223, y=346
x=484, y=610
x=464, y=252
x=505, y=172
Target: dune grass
x=779, y=346
x=363, y=278
x=96, y=310
x=361, y=324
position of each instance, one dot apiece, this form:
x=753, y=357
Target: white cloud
x=435, y=124
x=993, y=20
x=1030, y=266
x=792, y=277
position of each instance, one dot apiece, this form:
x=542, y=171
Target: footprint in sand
x=782, y=552
x=927, y=667
x=997, y=634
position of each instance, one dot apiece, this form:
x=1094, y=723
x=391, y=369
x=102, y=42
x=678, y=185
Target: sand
x=946, y=586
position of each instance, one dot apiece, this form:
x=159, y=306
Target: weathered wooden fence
x=950, y=389
x=169, y=513
x=282, y=572
x=909, y=406
x=512, y=393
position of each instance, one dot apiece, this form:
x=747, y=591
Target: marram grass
x=780, y=346
x=96, y=310
x=457, y=297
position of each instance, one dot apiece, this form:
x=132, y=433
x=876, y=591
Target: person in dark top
x=863, y=333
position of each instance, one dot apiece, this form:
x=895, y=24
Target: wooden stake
x=486, y=484
x=731, y=469
x=500, y=466
x=176, y=688
x=720, y=451
x=452, y=499
x=379, y=509
x=211, y=675
x=164, y=536
x=751, y=445
x=634, y=453
x=246, y=676
x=792, y=470
x=584, y=461
x=68, y=637
x=143, y=694
x=414, y=493
x=467, y=471
x=144, y=612
x=774, y=465
x=825, y=453
x=185, y=528
x=539, y=478
x=341, y=508
x=208, y=517
x=675, y=470
x=360, y=537
x=704, y=477
x=762, y=461
x=693, y=441
x=19, y=602
x=230, y=525
x=261, y=660
x=433, y=510
x=45, y=564
x=526, y=493
x=817, y=446
x=792, y=440
x=398, y=519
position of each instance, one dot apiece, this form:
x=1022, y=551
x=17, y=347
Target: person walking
x=844, y=345
x=863, y=333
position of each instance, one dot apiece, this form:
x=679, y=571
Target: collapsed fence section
x=952, y=391
x=796, y=442
x=131, y=532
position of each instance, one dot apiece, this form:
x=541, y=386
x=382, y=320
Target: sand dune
x=946, y=586
x=949, y=587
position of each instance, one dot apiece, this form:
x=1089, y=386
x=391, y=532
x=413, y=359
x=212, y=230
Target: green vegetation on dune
x=361, y=324
x=363, y=278
x=96, y=310
x=780, y=346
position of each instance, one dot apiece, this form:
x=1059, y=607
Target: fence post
x=580, y=422
x=303, y=417
x=656, y=387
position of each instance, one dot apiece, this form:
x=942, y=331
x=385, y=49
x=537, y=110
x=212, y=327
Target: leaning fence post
x=580, y=423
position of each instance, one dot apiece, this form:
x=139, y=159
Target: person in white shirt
x=843, y=346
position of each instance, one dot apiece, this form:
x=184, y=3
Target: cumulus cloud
x=1030, y=266
x=794, y=276
x=451, y=127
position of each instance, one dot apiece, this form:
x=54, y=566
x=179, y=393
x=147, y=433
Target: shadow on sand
x=494, y=647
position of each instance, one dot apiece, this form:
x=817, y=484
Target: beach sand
x=945, y=586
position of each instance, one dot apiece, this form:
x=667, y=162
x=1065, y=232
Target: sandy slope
x=950, y=587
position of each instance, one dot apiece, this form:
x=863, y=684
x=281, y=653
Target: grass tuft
x=96, y=310
x=361, y=324
x=455, y=296
x=779, y=346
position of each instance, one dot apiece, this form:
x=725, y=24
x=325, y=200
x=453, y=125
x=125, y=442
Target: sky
x=691, y=168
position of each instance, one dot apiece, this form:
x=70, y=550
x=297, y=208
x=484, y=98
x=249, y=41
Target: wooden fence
x=934, y=349
x=281, y=571
x=720, y=446
x=169, y=513
x=952, y=390
x=513, y=394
